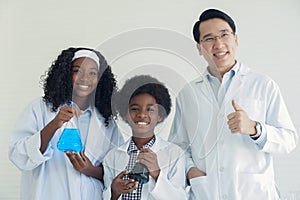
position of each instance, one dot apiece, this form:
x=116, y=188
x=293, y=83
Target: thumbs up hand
x=235, y=106
x=239, y=122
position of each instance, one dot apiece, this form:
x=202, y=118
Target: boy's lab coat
x=171, y=181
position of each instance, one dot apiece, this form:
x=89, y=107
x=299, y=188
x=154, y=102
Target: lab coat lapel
x=226, y=106
x=235, y=86
x=206, y=90
x=209, y=101
x=158, y=146
x=96, y=139
x=121, y=158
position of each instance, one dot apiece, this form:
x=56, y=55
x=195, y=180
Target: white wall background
x=33, y=33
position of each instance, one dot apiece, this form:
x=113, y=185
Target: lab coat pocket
x=256, y=186
x=91, y=188
x=253, y=107
x=199, y=188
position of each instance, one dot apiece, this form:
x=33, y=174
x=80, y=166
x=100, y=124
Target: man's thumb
x=235, y=106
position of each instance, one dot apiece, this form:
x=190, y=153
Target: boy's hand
x=149, y=159
x=120, y=186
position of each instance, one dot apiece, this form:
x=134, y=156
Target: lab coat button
x=221, y=169
x=221, y=116
x=224, y=197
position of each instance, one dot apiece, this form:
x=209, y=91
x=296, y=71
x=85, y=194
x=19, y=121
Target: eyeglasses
x=224, y=36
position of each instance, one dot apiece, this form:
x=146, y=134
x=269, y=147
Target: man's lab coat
x=236, y=166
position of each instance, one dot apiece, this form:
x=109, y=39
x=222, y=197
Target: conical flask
x=139, y=173
x=70, y=138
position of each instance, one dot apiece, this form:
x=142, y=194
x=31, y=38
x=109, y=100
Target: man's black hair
x=211, y=14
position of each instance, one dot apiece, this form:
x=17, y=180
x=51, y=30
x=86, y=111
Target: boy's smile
x=142, y=123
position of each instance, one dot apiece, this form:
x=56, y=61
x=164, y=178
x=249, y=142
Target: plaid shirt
x=133, y=152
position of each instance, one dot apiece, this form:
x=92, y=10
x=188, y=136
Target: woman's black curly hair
x=142, y=84
x=57, y=83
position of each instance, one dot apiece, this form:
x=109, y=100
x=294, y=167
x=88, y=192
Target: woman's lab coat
x=171, y=180
x=51, y=175
x=236, y=166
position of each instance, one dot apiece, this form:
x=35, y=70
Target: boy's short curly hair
x=143, y=84
x=57, y=83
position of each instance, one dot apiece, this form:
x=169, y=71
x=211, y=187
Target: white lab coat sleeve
x=171, y=185
x=107, y=178
x=281, y=133
x=179, y=135
x=109, y=171
x=25, y=140
x=261, y=140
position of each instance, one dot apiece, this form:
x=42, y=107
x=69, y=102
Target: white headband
x=87, y=53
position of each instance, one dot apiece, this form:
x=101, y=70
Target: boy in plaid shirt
x=143, y=102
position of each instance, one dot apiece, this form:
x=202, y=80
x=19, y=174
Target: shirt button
x=222, y=170
x=224, y=197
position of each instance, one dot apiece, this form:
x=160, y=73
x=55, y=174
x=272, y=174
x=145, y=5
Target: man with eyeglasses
x=230, y=121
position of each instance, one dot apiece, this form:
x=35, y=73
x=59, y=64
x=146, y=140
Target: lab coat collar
x=200, y=79
x=158, y=144
x=133, y=147
x=237, y=82
x=238, y=68
x=241, y=70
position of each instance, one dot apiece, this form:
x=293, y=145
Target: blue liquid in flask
x=70, y=140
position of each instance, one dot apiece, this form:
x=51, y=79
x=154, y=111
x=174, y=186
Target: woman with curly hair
x=81, y=77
